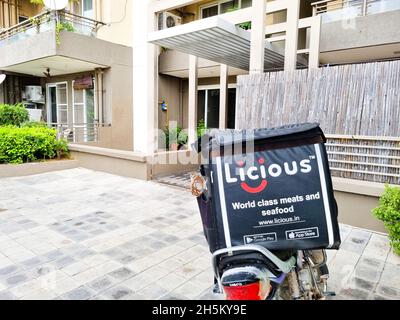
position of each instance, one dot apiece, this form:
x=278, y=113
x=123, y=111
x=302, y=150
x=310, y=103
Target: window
x=84, y=8
x=223, y=6
x=87, y=9
x=209, y=12
x=229, y=5
x=246, y=4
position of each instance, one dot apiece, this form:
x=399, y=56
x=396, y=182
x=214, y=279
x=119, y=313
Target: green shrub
x=34, y=124
x=61, y=148
x=389, y=212
x=19, y=145
x=13, y=115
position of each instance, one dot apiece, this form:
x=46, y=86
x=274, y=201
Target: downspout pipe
x=99, y=95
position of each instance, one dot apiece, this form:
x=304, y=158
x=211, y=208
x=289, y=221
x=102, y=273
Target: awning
x=217, y=40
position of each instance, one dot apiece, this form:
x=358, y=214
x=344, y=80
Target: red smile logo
x=261, y=187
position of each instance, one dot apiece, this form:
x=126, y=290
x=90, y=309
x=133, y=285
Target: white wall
x=117, y=14
x=145, y=81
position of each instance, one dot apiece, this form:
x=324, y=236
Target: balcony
x=49, y=21
x=358, y=30
x=334, y=10
x=61, y=41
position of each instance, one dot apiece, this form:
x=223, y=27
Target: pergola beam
x=292, y=35
x=223, y=97
x=192, y=108
x=257, y=45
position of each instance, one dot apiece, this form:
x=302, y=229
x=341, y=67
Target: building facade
x=202, y=48
x=71, y=68
x=114, y=73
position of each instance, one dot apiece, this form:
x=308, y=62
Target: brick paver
x=81, y=234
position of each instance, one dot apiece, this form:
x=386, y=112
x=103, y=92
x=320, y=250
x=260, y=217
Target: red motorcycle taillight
x=246, y=283
x=246, y=292
x=254, y=291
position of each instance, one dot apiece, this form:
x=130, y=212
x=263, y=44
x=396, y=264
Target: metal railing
x=51, y=20
x=374, y=159
x=78, y=132
x=333, y=10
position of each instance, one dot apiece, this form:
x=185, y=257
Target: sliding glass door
x=83, y=114
x=84, y=8
x=88, y=9
x=57, y=103
x=208, y=107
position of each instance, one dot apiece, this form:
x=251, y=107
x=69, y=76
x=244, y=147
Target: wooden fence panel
x=352, y=100
x=358, y=99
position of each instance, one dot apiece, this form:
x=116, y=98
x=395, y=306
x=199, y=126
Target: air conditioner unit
x=168, y=20
x=33, y=93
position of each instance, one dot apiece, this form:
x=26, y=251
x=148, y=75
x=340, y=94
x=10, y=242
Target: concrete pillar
x=257, y=36
x=145, y=80
x=223, y=97
x=315, y=35
x=192, y=110
x=292, y=34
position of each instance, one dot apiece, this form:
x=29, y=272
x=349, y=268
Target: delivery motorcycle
x=252, y=272
x=244, y=267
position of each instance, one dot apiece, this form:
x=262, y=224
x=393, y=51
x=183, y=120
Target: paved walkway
x=80, y=234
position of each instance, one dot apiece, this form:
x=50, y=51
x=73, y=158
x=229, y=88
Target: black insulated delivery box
x=270, y=187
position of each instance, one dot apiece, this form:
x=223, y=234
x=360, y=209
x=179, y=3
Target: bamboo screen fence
x=357, y=105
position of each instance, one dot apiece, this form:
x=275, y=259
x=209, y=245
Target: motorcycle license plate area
x=279, y=198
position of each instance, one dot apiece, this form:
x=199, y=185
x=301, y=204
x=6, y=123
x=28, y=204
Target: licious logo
x=262, y=172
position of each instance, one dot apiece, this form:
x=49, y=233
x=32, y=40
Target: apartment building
x=72, y=68
x=117, y=71
x=174, y=64
x=329, y=32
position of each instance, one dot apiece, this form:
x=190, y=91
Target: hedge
x=13, y=115
x=26, y=144
x=389, y=212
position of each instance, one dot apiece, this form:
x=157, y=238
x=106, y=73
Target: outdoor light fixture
x=2, y=78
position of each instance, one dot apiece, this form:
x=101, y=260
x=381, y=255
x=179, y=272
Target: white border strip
x=325, y=195
x=224, y=212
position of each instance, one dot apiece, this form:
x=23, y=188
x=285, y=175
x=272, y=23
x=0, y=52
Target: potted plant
x=175, y=138
x=389, y=212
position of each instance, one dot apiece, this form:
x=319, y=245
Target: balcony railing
x=50, y=20
x=336, y=10
x=78, y=132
